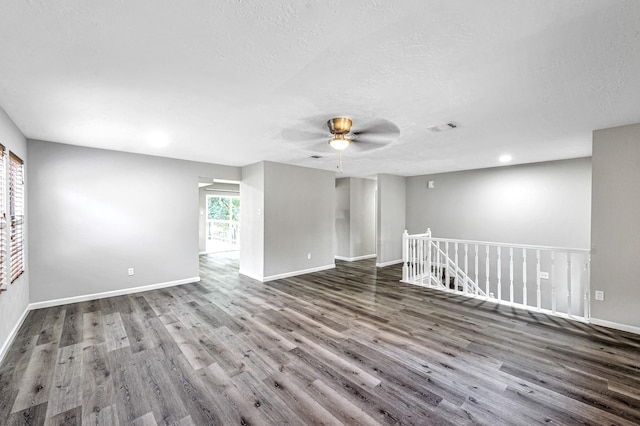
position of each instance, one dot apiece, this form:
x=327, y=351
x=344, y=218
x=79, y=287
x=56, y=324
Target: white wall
x=615, y=225
x=541, y=203
x=100, y=212
x=299, y=219
x=15, y=300
x=390, y=218
x=252, y=221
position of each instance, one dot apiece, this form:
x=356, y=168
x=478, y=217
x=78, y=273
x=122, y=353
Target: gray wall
x=252, y=221
x=542, y=203
x=299, y=218
x=390, y=218
x=343, y=218
x=355, y=218
x=100, y=212
x=15, y=300
x=202, y=220
x=363, y=217
x=615, y=225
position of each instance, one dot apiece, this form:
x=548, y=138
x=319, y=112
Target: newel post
x=405, y=256
x=428, y=232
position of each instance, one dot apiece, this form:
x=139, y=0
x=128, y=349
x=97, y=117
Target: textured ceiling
x=224, y=79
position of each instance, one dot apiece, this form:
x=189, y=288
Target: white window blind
x=3, y=220
x=16, y=211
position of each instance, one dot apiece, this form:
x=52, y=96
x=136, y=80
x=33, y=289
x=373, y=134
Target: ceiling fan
x=371, y=135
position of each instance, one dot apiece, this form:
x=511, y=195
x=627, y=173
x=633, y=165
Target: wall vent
x=443, y=127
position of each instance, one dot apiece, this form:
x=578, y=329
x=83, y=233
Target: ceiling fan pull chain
x=340, y=161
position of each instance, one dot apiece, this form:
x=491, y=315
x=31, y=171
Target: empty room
x=313, y=212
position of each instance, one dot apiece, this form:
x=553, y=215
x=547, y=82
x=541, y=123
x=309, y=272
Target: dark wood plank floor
x=346, y=346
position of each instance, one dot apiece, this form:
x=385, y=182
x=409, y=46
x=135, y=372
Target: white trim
x=12, y=335
x=301, y=272
x=615, y=325
x=85, y=297
x=288, y=274
x=250, y=275
x=353, y=259
x=389, y=263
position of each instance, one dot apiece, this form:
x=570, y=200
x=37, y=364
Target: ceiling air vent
x=443, y=127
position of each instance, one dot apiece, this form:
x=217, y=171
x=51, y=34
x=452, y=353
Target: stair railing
x=547, y=279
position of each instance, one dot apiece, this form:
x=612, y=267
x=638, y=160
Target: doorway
x=219, y=224
x=222, y=223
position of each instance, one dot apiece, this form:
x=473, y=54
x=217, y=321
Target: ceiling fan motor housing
x=339, y=126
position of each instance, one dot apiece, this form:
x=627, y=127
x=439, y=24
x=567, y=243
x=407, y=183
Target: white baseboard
x=389, y=263
x=14, y=331
x=85, y=297
x=353, y=259
x=615, y=325
x=300, y=272
x=288, y=274
x=250, y=275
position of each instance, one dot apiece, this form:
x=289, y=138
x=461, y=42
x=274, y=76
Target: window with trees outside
x=223, y=223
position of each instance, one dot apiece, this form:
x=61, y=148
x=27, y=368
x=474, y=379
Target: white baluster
x=499, y=271
x=511, y=274
x=405, y=256
x=538, y=293
x=413, y=260
x=439, y=266
x=587, y=292
x=466, y=268
x=447, y=267
x=569, y=284
x=456, y=279
x=486, y=292
x=475, y=289
x=524, y=277
x=429, y=243
x=421, y=260
x=553, y=283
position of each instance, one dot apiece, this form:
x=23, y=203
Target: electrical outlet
x=599, y=295
x=544, y=275
x=130, y=271
x=308, y=256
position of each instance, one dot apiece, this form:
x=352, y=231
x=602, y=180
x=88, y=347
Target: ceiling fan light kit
x=339, y=142
x=339, y=127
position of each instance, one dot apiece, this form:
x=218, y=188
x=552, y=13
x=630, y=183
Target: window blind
x=3, y=220
x=16, y=211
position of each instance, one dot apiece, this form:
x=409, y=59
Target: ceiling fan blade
x=360, y=145
x=297, y=135
x=378, y=127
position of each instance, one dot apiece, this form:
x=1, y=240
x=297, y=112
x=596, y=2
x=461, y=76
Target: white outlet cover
x=544, y=275
x=599, y=295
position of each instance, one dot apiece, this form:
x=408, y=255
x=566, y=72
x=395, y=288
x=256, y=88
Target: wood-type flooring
x=347, y=346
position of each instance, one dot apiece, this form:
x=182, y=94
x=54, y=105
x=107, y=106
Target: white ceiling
x=224, y=79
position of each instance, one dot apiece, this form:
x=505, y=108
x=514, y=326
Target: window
x=16, y=211
x=3, y=221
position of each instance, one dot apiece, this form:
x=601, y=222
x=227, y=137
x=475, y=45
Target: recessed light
x=158, y=139
x=505, y=158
